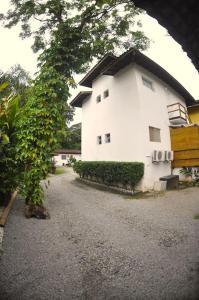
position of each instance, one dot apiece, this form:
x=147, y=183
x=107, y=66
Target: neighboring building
x=126, y=116
x=62, y=156
x=193, y=112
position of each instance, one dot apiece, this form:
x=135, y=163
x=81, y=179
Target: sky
x=163, y=50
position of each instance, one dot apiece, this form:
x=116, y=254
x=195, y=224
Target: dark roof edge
x=133, y=55
x=66, y=151
x=194, y=105
x=97, y=70
x=77, y=101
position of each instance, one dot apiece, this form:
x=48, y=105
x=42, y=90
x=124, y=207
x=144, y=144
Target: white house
x=62, y=156
x=127, y=114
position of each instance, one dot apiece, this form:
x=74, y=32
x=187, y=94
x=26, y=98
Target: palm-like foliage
x=9, y=108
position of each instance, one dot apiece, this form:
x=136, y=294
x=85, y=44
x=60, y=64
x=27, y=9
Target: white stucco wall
x=127, y=114
x=59, y=161
x=116, y=114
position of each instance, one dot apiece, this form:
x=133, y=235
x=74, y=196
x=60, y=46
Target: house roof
x=97, y=70
x=134, y=56
x=77, y=101
x=110, y=65
x=66, y=151
x=194, y=105
x=181, y=20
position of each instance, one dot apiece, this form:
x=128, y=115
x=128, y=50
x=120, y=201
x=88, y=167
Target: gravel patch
x=100, y=245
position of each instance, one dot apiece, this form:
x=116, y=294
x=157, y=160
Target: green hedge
x=111, y=172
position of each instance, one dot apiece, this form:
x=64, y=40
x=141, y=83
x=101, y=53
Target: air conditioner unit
x=168, y=155
x=157, y=156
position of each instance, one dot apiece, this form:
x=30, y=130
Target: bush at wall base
x=111, y=172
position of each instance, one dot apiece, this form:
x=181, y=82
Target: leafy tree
x=19, y=81
x=69, y=34
x=39, y=127
x=73, y=138
x=72, y=32
x=9, y=108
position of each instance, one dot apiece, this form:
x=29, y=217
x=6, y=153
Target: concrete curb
x=114, y=189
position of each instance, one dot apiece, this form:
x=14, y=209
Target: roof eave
x=78, y=100
x=134, y=55
x=97, y=70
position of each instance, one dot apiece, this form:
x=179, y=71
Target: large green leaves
x=9, y=109
x=3, y=86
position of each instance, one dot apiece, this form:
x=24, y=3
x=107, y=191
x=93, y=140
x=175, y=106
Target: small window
x=99, y=140
x=154, y=134
x=98, y=98
x=107, y=138
x=148, y=83
x=106, y=93
x=63, y=157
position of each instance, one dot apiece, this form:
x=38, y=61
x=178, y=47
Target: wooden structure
x=193, y=112
x=185, y=144
x=6, y=211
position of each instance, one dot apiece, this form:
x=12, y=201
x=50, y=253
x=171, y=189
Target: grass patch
x=60, y=170
x=196, y=217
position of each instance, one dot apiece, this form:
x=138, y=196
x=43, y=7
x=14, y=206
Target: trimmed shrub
x=111, y=172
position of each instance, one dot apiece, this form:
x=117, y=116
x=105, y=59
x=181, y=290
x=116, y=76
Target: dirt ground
x=100, y=245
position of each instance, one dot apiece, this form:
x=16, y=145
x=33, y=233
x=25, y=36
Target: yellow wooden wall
x=193, y=113
x=185, y=144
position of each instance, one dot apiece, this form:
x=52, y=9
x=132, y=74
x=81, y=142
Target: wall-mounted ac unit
x=168, y=155
x=157, y=156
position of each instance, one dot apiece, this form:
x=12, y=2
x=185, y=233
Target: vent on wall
x=157, y=156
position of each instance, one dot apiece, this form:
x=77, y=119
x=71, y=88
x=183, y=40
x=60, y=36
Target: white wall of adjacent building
x=126, y=114
x=62, y=159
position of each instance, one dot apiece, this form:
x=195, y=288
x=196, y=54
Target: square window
x=154, y=134
x=106, y=93
x=107, y=138
x=148, y=83
x=63, y=156
x=98, y=98
x=99, y=140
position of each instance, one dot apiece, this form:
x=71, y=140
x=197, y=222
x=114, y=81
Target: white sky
x=163, y=50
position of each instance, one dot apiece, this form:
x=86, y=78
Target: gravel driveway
x=100, y=245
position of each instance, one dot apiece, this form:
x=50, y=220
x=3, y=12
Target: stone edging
x=1, y=235
x=107, y=187
x=1, y=240
x=3, y=218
